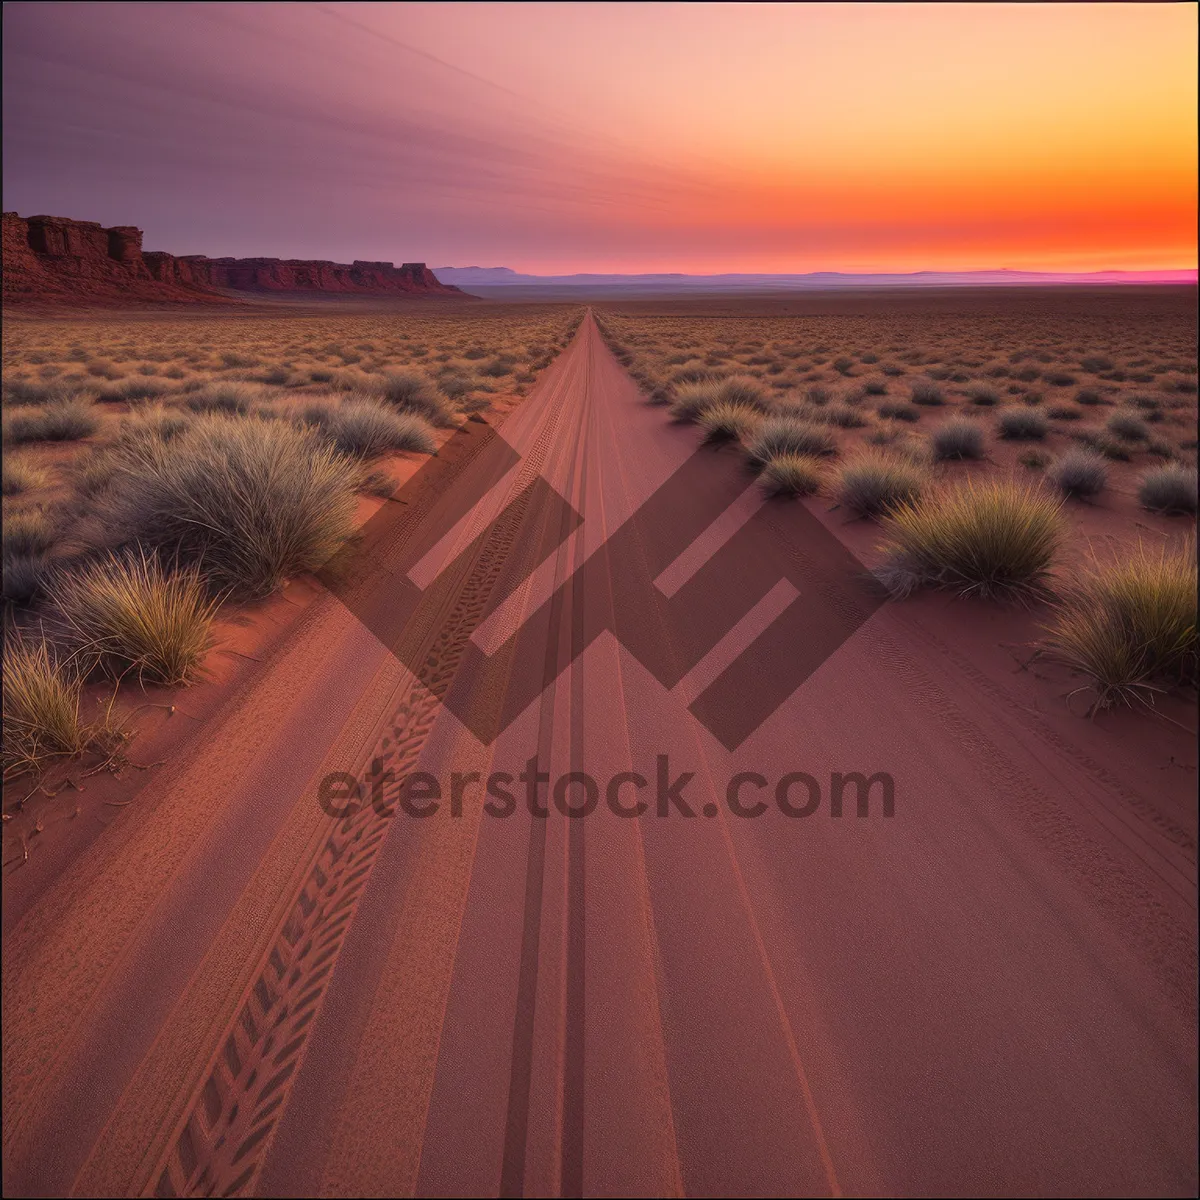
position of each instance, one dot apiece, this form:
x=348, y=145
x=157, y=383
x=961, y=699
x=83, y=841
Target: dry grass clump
x=728, y=422
x=958, y=438
x=1130, y=626
x=41, y=709
x=29, y=531
x=129, y=615
x=792, y=475
x=365, y=430
x=1128, y=427
x=1022, y=425
x=227, y=396
x=1169, y=489
x=251, y=501
x=1079, y=473
x=21, y=475
x=778, y=436
x=415, y=392
x=61, y=421
x=927, y=394
x=995, y=539
x=876, y=482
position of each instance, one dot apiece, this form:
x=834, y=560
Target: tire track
x=220, y=1144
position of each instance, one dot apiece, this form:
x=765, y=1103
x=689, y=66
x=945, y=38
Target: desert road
x=989, y=991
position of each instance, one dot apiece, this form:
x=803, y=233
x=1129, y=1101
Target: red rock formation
x=57, y=261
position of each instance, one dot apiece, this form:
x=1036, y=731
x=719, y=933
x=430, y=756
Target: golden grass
x=992, y=539
x=41, y=709
x=129, y=615
x=1130, y=626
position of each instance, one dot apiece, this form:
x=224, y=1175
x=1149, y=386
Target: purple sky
x=592, y=137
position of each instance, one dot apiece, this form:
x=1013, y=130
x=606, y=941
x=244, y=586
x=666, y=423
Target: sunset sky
x=554, y=138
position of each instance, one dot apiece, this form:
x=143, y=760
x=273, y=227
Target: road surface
x=988, y=992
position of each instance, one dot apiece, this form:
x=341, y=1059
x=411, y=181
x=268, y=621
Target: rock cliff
x=58, y=261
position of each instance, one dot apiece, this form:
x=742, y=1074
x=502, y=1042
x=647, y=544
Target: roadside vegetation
x=976, y=443
x=159, y=470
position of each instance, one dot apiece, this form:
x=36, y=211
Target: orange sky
x=618, y=137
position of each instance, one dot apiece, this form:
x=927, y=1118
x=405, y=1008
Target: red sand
x=991, y=992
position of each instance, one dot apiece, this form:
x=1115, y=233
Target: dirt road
x=990, y=991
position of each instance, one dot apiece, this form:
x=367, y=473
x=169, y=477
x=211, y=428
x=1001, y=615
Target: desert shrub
x=132, y=391
x=1184, y=386
x=1089, y=396
x=1035, y=460
x=693, y=371
x=691, y=399
x=1130, y=626
x=1058, y=378
x=365, y=430
x=128, y=614
x=155, y=421
x=497, y=368
x=1095, y=363
x=253, y=502
x=927, y=394
x=24, y=577
x=414, y=391
x=1169, y=489
x=985, y=397
x=41, y=708
x=21, y=475
x=818, y=395
x=34, y=391
x=777, y=436
x=992, y=539
x=28, y=532
x=63, y=421
x=875, y=387
x=725, y=422
x=843, y=364
x=227, y=396
x=874, y=482
x=1128, y=427
x=1022, y=425
x=840, y=414
x=792, y=475
x=956, y=439
x=742, y=390
x=1147, y=404
x=457, y=386
x=1079, y=473
x=1027, y=374
x=1063, y=412
x=899, y=412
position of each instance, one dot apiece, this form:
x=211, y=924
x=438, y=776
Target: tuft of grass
x=899, y=412
x=1089, y=397
x=31, y=531
x=792, y=475
x=414, y=391
x=1169, y=489
x=841, y=415
x=127, y=614
x=984, y=397
x=41, y=709
x=365, y=430
x=38, y=391
x=1128, y=427
x=728, y=422
x=875, y=483
x=958, y=438
x=994, y=539
x=62, y=421
x=252, y=501
x=231, y=397
x=1063, y=412
x=24, y=577
x=1079, y=474
x=133, y=391
x=1130, y=626
x=1095, y=363
x=21, y=475
x=927, y=394
x=1022, y=425
x=777, y=436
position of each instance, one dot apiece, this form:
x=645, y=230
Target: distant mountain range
x=473, y=278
